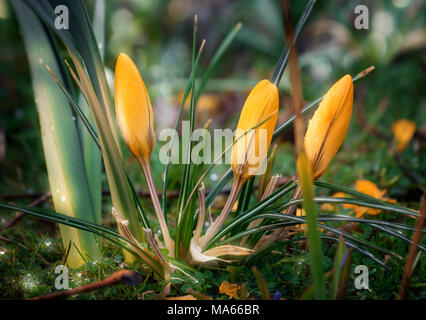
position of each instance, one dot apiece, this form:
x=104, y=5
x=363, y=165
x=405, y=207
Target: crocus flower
x=252, y=139
x=260, y=111
x=329, y=125
x=403, y=130
x=135, y=117
x=133, y=108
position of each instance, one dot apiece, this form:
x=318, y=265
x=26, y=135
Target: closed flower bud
x=329, y=125
x=261, y=111
x=252, y=139
x=133, y=108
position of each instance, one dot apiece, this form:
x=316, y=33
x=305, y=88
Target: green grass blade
x=384, y=206
x=89, y=227
x=120, y=188
x=80, y=39
x=227, y=41
x=256, y=209
x=83, y=48
x=178, y=120
x=337, y=267
x=61, y=144
x=186, y=181
x=92, y=154
x=78, y=111
x=349, y=244
x=282, y=62
x=314, y=239
x=380, y=225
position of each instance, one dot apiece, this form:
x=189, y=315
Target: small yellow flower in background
x=329, y=125
x=206, y=102
x=403, y=130
x=331, y=206
x=250, y=151
x=230, y=289
x=302, y=213
x=133, y=108
x=364, y=186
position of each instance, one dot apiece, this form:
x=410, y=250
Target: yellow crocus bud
x=252, y=139
x=250, y=151
x=329, y=125
x=403, y=130
x=134, y=114
x=133, y=108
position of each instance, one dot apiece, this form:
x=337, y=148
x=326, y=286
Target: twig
x=128, y=277
x=417, y=236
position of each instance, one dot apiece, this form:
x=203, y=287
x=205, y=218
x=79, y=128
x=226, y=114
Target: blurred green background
x=158, y=36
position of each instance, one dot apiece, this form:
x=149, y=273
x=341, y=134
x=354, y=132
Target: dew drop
x=63, y=198
x=29, y=282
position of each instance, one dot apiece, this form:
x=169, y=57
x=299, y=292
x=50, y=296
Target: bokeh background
x=158, y=36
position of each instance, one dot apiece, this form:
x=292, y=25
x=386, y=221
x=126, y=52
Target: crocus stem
x=146, y=167
x=214, y=228
x=296, y=194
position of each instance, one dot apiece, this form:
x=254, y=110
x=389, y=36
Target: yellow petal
x=403, y=130
x=330, y=206
x=302, y=213
x=370, y=188
x=250, y=151
x=133, y=108
x=230, y=289
x=329, y=125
